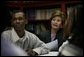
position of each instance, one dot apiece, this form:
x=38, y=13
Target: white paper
x=53, y=53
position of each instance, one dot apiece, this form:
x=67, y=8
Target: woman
x=56, y=31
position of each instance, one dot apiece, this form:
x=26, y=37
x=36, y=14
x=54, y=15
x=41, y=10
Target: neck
x=20, y=33
x=54, y=31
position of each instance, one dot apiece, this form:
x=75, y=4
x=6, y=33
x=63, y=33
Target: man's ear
x=11, y=22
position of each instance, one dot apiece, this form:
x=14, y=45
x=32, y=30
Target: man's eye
x=20, y=18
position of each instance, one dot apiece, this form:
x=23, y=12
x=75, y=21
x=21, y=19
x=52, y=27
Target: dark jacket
x=46, y=37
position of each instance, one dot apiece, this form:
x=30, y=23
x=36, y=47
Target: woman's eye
x=58, y=20
x=53, y=19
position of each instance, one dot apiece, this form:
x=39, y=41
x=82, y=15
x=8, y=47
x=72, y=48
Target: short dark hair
x=16, y=11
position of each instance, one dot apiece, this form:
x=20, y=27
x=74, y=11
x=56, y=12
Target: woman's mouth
x=55, y=25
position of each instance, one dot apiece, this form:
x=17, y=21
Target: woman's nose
x=55, y=21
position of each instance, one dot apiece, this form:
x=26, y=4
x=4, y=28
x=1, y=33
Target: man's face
x=18, y=20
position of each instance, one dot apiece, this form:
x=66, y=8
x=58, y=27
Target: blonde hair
x=60, y=14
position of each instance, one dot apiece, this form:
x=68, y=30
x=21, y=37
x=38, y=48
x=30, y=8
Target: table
x=52, y=53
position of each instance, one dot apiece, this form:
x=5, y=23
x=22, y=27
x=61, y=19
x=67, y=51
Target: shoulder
x=5, y=32
x=45, y=32
x=30, y=35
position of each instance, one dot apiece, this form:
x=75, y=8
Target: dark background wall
x=5, y=16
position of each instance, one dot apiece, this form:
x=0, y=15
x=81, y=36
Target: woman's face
x=56, y=22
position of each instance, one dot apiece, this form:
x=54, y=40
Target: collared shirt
x=53, y=36
x=29, y=40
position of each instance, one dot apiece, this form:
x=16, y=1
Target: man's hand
x=30, y=52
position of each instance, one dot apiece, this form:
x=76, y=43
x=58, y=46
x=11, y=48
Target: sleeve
x=52, y=45
x=39, y=46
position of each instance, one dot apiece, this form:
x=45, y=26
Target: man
x=26, y=40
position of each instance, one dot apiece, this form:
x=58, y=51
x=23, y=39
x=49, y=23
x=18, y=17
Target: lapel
x=48, y=36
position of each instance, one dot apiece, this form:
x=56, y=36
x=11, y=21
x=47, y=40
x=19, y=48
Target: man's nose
x=17, y=20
